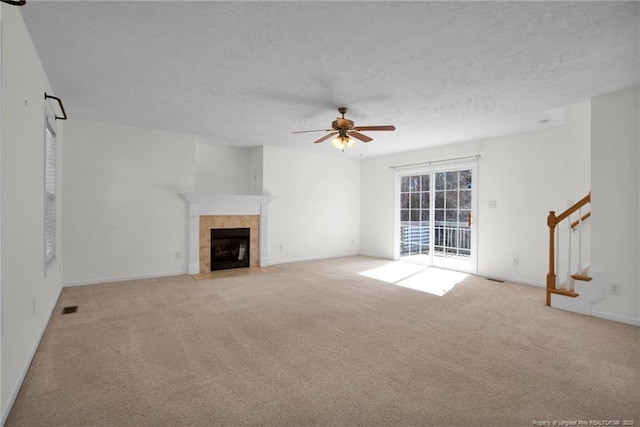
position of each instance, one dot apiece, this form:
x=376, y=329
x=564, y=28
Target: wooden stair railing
x=552, y=221
x=575, y=223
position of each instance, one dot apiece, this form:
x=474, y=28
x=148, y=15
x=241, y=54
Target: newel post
x=551, y=275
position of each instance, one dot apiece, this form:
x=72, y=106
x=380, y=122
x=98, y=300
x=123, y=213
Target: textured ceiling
x=249, y=73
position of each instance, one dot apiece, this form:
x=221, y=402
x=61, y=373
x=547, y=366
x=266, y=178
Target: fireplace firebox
x=230, y=248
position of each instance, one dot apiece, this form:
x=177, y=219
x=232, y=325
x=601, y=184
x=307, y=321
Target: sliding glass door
x=436, y=217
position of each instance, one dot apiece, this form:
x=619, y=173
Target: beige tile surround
x=207, y=222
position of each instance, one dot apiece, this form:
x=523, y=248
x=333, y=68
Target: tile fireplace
x=227, y=212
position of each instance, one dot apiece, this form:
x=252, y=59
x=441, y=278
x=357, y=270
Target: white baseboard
x=124, y=278
x=515, y=280
x=312, y=258
x=378, y=256
x=25, y=369
x=616, y=317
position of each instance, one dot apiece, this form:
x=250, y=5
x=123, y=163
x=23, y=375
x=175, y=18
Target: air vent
x=70, y=309
x=494, y=280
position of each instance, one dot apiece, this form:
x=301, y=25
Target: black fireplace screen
x=229, y=248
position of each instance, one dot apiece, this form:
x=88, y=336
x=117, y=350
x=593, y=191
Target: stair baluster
x=568, y=285
x=568, y=289
x=580, y=267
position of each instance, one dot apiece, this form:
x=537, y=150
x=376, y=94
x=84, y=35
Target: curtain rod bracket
x=15, y=2
x=64, y=113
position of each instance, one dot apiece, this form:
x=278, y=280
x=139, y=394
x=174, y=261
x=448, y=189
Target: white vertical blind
x=50, y=195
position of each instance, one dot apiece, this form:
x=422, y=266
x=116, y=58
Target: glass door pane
x=414, y=215
x=452, y=226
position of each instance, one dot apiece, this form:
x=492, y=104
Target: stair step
x=564, y=292
x=582, y=277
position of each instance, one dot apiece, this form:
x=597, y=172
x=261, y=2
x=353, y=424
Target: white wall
x=124, y=217
x=27, y=295
x=1, y=316
x=2, y=418
x=316, y=213
x=256, y=171
x=527, y=175
x=223, y=170
x=615, y=198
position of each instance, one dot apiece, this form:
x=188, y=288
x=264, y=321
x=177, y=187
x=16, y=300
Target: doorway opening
x=436, y=217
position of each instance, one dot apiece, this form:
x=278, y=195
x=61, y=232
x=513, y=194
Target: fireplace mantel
x=225, y=204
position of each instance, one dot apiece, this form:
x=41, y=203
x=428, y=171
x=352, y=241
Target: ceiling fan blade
x=361, y=137
x=319, y=130
x=384, y=127
x=324, y=138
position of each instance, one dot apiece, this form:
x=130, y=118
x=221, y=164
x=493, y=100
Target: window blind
x=50, y=195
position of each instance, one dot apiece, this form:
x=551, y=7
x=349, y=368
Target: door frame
x=422, y=170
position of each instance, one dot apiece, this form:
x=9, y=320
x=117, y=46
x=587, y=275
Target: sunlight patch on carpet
x=394, y=271
x=431, y=280
x=434, y=281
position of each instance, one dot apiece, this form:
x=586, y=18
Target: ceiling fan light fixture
x=342, y=142
x=345, y=131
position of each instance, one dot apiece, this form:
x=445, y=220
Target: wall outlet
x=516, y=261
x=614, y=289
x=281, y=248
x=493, y=204
x=178, y=255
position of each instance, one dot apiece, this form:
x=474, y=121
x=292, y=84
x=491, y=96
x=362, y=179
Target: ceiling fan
x=344, y=131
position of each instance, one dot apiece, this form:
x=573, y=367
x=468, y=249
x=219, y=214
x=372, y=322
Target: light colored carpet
x=316, y=343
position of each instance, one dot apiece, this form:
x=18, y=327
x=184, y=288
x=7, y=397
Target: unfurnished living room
x=319, y=213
